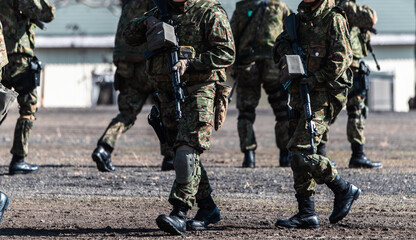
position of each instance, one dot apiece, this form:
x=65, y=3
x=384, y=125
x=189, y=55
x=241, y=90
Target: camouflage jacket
x=254, y=36
x=3, y=51
x=123, y=51
x=324, y=38
x=18, y=18
x=360, y=19
x=204, y=26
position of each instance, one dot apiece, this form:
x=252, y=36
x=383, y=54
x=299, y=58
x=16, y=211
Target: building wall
x=399, y=62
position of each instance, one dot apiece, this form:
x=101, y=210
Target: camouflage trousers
x=134, y=86
x=12, y=75
x=311, y=169
x=357, y=113
x=194, y=129
x=250, y=79
x=198, y=188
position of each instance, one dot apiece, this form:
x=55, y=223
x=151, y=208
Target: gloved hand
x=182, y=65
x=311, y=81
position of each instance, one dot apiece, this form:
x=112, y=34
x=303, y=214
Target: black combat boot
x=4, y=204
x=208, y=213
x=102, y=157
x=360, y=160
x=345, y=194
x=19, y=166
x=167, y=164
x=249, y=159
x=284, y=160
x=305, y=219
x=175, y=223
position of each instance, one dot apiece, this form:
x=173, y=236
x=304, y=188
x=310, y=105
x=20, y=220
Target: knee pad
x=184, y=164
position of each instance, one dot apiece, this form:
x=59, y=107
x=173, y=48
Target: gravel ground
x=69, y=198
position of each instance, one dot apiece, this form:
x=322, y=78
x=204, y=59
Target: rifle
x=290, y=25
x=368, y=44
x=172, y=51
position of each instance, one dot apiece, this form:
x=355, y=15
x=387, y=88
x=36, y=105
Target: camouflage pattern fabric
x=250, y=79
x=18, y=18
x=16, y=68
x=357, y=113
x=135, y=88
x=122, y=51
x=359, y=17
x=270, y=27
x=197, y=188
x=329, y=43
x=253, y=29
x=19, y=34
x=204, y=26
x=130, y=77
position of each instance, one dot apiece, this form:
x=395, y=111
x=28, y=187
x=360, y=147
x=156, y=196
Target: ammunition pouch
x=221, y=104
x=160, y=35
x=291, y=67
x=7, y=97
x=30, y=79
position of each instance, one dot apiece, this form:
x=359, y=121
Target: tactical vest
x=122, y=51
x=190, y=32
x=19, y=32
x=358, y=40
x=314, y=38
x=262, y=30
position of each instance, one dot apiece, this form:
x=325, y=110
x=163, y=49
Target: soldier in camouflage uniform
x=134, y=86
x=255, y=25
x=202, y=25
x=323, y=36
x=361, y=19
x=19, y=18
x=4, y=200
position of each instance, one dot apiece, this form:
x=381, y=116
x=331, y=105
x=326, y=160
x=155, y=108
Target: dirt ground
x=69, y=199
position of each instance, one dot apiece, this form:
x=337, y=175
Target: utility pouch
x=29, y=80
x=291, y=67
x=160, y=34
x=364, y=73
x=221, y=104
x=7, y=97
x=35, y=69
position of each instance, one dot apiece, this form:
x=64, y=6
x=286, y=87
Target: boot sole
x=356, y=196
x=193, y=228
x=22, y=172
x=168, y=227
x=300, y=227
x=364, y=166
